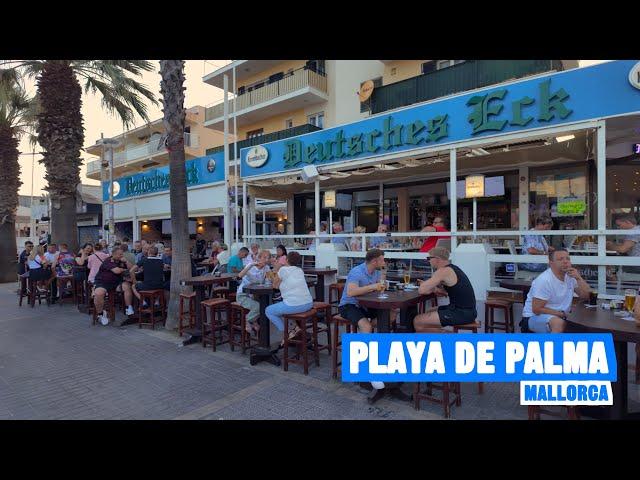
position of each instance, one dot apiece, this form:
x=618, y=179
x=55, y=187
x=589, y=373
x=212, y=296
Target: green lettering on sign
x=550, y=103
x=479, y=118
x=518, y=119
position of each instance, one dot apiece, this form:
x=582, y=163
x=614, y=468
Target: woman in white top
x=296, y=297
x=38, y=268
x=251, y=274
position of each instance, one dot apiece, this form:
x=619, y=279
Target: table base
x=260, y=354
x=393, y=389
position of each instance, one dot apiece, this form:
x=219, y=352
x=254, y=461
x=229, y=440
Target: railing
x=292, y=82
x=462, y=77
x=269, y=137
x=191, y=140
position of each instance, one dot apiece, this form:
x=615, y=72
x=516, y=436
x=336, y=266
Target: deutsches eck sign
x=574, y=95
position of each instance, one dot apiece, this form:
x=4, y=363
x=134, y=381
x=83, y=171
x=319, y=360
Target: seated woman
x=281, y=258
x=296, y=297
x=39, y=268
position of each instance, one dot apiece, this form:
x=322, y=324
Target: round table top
x=599, y=320
x=320, y=271
x=522, y=285
x=208, y=279
x=397, y=299
x=261, y=289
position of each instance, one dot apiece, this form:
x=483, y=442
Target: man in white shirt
x=254, y=273
x=51, y=255
x=630, y=243
x=551, y=294
x=253, y=255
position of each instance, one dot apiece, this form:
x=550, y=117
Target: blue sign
x=199, y=171
x=575, y=95
x=478, y=358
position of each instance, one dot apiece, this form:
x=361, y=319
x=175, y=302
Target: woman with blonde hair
x=39, y=268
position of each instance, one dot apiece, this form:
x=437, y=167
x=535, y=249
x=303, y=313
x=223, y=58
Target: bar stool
x=23, y=290
x=336, y=289
x=150, y=297
x=217, y=306
x=109, y=303
x=339, y=321
x=36, y=294
x=237, y=326
x=490, y=306
x=191, y=299
x=302, y=321
x=67, y=285
x=325, y=308
x=535, y=411
x=472, y=327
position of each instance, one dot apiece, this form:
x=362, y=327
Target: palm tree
x=172, y=90
x=17, y=112
x=59, y=123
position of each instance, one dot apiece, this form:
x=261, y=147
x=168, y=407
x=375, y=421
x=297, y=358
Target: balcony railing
x=269, y=137
x=191, y=140
x=462, y=77
x=296, y=80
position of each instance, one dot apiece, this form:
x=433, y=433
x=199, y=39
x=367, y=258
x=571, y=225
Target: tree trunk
x=172, y=90
x=61, y=135
x=10, y=183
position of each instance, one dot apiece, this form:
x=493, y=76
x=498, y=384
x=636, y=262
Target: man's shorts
x=354, y=313
x=451, y=316
x=141, y=286
x=109, y=287
x=540, y=323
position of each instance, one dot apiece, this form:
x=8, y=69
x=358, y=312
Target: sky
x=97, y=121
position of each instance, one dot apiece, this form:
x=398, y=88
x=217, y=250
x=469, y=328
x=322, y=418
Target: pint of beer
x=629, y=300
x=407, y=278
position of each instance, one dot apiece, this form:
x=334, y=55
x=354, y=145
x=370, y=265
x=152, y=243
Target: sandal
x=292, y=334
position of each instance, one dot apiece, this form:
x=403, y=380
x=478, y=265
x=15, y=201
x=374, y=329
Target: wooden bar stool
x=220, y=292
x=450, y=395
x=490, y=306
x=325, y=309
x=303, y=321
x=150, y=297
x=237, y=327
x=216, y=324
x=472, y=327
x=23, y=290
x=67, y=286
x=335, y=290
x=536, y=410
x=191, y=299
x=339, y=321
x=36, y=294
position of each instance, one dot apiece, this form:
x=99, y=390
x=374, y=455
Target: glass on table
x=629, y=300
x=593, y=298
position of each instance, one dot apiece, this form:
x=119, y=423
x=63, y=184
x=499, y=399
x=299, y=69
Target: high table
x=521, y=285
x=264, y=353
x=320, y=273
x=402, y=300
x=598, y=320
x=199, y=285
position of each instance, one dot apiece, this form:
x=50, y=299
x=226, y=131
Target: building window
x=255, y=133
x=288, y=123
x=315, y=65
x=428, y=67
x=317, y=119
x=447, y=63
x=394, y=70
x=366, y=105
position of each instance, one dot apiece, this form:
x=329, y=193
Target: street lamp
x=108, y=145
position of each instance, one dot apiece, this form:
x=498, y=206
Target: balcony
x=462, y=77
x=134, y=156
x=299, y=89
x=269, y=137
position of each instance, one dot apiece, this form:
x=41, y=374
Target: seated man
x=630, y=243
x=447, y=279
x=109, y=279
x=253, y=273
x=153, y=275
x=551, y=294
x=337, y=228
x=362, y=279
x=537, y=245
x=24, y=257
x=437, y=225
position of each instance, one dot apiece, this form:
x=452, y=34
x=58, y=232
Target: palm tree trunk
x=61, y=135
x=10, y=181
x=172, y=90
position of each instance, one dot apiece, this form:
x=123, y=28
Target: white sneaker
x=157, y=304
x=104, y=320
x=145, y=304
x=377, y=385
x=129, y=310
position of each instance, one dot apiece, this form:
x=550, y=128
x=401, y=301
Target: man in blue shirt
x=537, y=245
x=236, y=264
x=362, y=279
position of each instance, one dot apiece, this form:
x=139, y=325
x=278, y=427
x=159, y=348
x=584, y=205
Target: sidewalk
x=55, y=365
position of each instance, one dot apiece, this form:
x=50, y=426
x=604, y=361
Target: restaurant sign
x=575, y=95
x=199, y=171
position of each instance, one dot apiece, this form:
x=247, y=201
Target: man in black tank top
x=447, y=280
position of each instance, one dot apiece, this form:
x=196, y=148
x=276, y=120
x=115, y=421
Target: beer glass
x=629, y=300
x=407, y=278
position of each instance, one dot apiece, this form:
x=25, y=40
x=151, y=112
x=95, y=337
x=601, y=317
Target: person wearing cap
x=447, y=280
